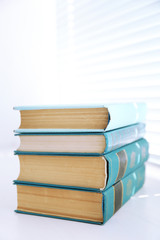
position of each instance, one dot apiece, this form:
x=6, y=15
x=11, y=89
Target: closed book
x=79, y=143
x=95, y=118
x=79, y=205
x=85, y=172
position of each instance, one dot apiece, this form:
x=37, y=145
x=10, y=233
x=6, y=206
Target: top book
x=96, y=118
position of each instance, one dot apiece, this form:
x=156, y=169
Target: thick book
x=95, y=118
x=79, y=143
x=78, y=205
x=85, y=172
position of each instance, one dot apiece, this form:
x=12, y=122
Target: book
x=94, y=118
x=85, y=172
x=79, y=205
x=79, y=143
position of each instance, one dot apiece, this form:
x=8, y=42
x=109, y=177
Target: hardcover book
x=86, y=172
x=80, y=118
x=79, y=143
x=79, y=205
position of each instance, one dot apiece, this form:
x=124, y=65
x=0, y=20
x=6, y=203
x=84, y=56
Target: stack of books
x=80, y=163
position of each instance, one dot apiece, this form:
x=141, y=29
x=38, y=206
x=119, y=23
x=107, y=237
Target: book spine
x=117, y=195
x=126, y=114
x=125, y=160
x=120, y=137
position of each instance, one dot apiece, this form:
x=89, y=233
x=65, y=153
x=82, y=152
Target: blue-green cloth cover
x=114, y=139
x=121, y=114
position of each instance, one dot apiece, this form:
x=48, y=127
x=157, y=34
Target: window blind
x=109, y=51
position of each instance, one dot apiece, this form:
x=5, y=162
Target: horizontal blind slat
x=146, y=45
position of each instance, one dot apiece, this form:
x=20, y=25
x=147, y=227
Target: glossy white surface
x=139, y=218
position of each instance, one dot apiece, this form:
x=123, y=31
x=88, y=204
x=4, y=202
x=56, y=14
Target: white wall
x=27, y=61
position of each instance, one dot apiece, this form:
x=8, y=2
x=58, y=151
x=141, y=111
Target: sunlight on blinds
x=109, y=51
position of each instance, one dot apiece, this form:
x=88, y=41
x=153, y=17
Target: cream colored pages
x=71, y=118
x=63, y=143
x=77, y=171
x=60, y=202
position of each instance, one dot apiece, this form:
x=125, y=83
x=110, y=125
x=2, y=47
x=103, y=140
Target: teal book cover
x=111, y=200
x=125, y=160
x=79, y=143
x=118, y=164
x=118, y=115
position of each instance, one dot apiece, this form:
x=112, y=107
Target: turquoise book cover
x=119, y=115
x=125, y=160
x=113, y=139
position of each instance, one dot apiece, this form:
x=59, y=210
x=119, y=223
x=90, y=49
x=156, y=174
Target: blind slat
x=132, y=48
